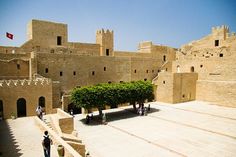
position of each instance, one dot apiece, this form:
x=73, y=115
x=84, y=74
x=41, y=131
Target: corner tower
x=105, y=39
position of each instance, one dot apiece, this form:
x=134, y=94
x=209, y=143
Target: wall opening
x=164, y=82
x=18, y=66
x=152, y=71
x=216, y=43
x=109, y=82
x=42, y=101
x=93, y=72
x=135, y=71
x=104, y=68
x=145, y=79
x=164, y=58
x=61, y=73
x=178, y=69
x=59, y=40
x=201, y=66
x=107, y=52
x=46, y=70
x=21, y=107
x=1, y=110
x=192, y=69
x=146, y=71
x=74, y=73
x=221, y=55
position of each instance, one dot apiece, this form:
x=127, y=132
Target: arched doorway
x=21, y=107
x=76, y=110
x=1, y=109
x=42, y=101
x=192, y=69
x=178, y=69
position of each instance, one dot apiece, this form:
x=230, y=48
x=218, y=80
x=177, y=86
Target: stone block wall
x=217, y=92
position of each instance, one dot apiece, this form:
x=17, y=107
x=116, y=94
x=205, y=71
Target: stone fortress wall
x=179, y=74
x=212, y=58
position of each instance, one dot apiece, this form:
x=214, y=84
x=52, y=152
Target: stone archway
x=76, y=110
x=21, y=107
x=1, y=109
x=42, y=101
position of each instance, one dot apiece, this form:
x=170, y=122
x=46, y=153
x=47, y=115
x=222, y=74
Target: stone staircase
x=52, y=122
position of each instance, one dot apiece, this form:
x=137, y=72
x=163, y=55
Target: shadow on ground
x=8, y=145
x=115, y=116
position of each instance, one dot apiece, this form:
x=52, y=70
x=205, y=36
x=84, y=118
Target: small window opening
x=61, y=73
x=166, y=69
x=46, y=70
x=145, y=79
x=183, y=95
x=109, y=82
x=93, y=72
x=104, y=68
x=74, y=73
x=152, y=71
x=164, y=58
x=164, y=82
x=146, y=71
x=135, y=71
x=18, y=66
x=221, y=55
x=58, y=40
x=192, y=69
x=201, y=66
x=107, y=52
x=121, y=81
x=216, y=42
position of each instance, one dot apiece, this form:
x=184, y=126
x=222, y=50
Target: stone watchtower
x=105, y=39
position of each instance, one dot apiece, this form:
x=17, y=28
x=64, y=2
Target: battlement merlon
x=25, y=82
x=220, y=29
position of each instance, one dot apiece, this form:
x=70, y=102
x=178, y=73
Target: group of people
x=143, y=110
x=89, y=117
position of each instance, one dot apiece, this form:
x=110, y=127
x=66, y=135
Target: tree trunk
x=134, y=107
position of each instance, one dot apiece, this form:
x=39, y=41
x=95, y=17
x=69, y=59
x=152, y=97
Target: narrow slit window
x=61, y=73
x=104, y=68
x=46, y=70
x=18, y=66
x=74, y=73
x=93, y=72
x=107, y=52
x=59, y=40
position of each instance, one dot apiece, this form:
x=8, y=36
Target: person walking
x=39, y=112
x=46, y=143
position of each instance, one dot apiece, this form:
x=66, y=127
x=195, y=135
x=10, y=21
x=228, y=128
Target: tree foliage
x=112, y=94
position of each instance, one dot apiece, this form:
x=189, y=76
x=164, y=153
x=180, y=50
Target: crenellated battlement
x=223, y=28
x=24, y=82
x=102, y=32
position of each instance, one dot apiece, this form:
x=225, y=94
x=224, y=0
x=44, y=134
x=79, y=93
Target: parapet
x=24, y=82
x=220, y=28
x=102, y=31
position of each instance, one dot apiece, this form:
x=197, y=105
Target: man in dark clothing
x=46, y=142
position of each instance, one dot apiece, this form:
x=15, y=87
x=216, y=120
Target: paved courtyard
x=195, y=129
x=21, y=137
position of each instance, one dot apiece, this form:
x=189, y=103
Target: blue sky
x=166, y=22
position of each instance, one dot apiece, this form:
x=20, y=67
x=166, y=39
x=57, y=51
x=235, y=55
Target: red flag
x=9, y=35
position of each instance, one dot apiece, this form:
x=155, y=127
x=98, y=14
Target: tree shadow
x=8, y=144
x=115, y=116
